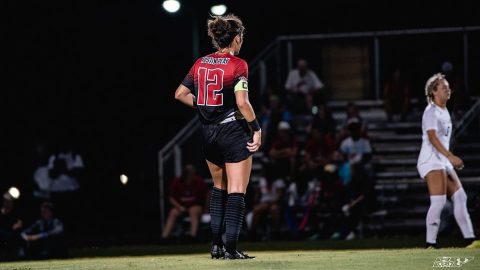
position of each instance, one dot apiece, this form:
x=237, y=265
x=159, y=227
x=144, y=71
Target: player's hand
x=257, y=141
x=456, y=161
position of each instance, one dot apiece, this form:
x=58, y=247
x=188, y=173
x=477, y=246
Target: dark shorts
x=226, y=143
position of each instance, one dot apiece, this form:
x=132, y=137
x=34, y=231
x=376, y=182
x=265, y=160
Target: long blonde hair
x=431, y=85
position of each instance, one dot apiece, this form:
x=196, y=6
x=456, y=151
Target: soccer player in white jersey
x=436, y=164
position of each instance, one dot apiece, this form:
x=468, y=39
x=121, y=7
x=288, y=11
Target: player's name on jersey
x=215, y=61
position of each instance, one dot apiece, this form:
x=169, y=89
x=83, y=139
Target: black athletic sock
x=234, y=220
x=217, y=214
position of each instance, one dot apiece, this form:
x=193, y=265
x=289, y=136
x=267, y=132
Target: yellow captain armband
x=242, y=85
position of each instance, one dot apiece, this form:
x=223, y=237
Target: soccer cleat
x=431, y=246
x=238, y=255
x=217, y=251
x=474, y=244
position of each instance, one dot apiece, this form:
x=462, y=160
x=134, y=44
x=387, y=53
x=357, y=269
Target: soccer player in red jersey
x=217, y=86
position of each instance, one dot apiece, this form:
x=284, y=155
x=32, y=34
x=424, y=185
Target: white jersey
x=438, y=119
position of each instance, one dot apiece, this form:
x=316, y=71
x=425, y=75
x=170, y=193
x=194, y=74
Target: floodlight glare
x=171, y=6
x=123, y=179
x=14, y=192
x=218, y=10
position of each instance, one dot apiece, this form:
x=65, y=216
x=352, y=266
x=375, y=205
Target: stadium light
x=218, y=10
x=123, y=179
x=14, y=192
x=171, y=6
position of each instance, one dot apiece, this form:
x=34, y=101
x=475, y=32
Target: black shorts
x=226, y=143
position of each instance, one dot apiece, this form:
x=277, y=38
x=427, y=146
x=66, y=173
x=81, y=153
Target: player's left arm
x=184, y=95
x=244, y=106
x=432, y=137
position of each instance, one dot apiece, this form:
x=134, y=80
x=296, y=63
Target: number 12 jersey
x=214, y=79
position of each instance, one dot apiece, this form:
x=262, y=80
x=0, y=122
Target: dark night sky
x=105, y=72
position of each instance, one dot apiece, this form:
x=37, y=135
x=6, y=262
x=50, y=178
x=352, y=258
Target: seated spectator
x=269, y=199
x=313, y=157
x=325, y=199
x=187, y=195
x=284, y=152
x=396, y=95
x=318, y=148
x=65, y=167
x=272, y=114
x=360, y=201
x=44, y=239
x=10, y=226
x=41, y=175
x=65, y=172
x=323, y=121
x=342, y=165
x=358, y=152
x=302, y=85
x=356, y=148
x=352, y=115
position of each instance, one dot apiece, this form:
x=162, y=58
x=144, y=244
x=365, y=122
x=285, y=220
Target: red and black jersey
x=213, y=79
x=189, y=193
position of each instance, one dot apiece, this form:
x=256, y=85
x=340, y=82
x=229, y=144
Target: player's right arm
x=184, y=95
x=184, y=90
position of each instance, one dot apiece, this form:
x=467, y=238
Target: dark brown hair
x=223, y=29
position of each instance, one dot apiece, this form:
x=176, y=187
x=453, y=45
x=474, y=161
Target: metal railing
x=462, y=124
x=173, y=148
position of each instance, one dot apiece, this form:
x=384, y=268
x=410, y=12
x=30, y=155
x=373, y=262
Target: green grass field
x=275, y=255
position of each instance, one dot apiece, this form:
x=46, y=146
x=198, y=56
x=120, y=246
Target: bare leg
x=238, y=175
x=194, y=212
x=219, y=175
x=172, y=217
x=453, y=183
x=437, y=182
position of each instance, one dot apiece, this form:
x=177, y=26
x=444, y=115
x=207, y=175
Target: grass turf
x=358, y=254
